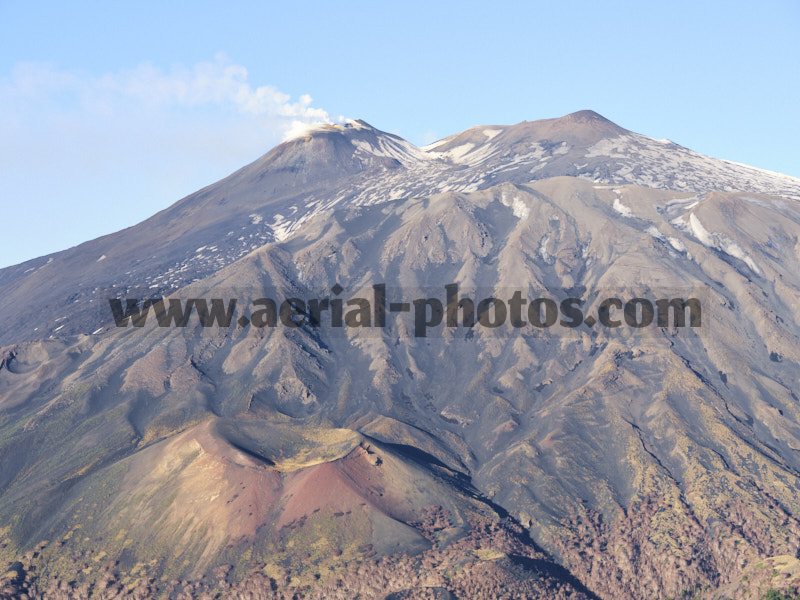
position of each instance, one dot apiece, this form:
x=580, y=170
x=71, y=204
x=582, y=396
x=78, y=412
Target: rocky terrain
x=473, y=463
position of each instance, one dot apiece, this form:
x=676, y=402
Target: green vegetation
x=781, y=595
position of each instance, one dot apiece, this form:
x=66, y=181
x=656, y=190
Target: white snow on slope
x=517, y=206
x=675, y=167
x=543, y=248
x=720, y=242
x=677, y=244
x=625, y=211
x=390, y=147
x=484, y=158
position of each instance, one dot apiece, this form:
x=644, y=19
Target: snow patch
x=517, y=206
x=281, y=228
x=460, y=151
x=700, y=232
x=720, y=242
x=677, y=244
x=543, y=248
x=622, y=209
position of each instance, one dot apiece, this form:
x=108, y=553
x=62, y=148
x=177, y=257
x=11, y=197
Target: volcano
x=185, y=462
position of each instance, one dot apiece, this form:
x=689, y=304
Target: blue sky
x=110, y=112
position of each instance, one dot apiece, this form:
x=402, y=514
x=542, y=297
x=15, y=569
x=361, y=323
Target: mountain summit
x=182, y=461
x=348, y=164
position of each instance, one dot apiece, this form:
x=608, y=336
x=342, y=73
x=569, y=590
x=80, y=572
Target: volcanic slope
x=588, y=462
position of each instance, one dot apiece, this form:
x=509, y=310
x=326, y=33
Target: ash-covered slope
x=472, y=463
x=196, y=236
x=331, y=166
